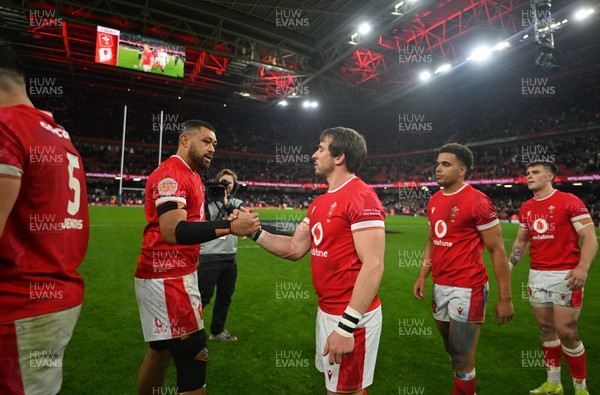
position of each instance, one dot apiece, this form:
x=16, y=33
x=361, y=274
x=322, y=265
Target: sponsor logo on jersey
x=330, y=212
x=540, y=225
x=317, y=233
x=440, y=228
x=60, y=132
x=167, y=187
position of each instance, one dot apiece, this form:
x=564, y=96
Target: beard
x=197, y=158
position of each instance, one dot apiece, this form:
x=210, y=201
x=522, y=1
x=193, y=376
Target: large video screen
x=136, y=52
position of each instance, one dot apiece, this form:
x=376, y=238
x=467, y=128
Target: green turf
x=129, y=58
x=276, y=331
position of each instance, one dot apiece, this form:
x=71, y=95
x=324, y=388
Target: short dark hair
x=348, y=142
x=197, y=124
x=549, y=166
x=194, y=124
x=462, y=152
x=10, y=65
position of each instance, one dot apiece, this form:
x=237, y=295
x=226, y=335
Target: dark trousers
x=222, y=274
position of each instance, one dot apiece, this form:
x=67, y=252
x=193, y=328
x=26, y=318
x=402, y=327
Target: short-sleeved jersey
x=332, y=218
x=46, y=235
x=147, y=57
x=173, y=181
x=551, y=225
x=455, y=221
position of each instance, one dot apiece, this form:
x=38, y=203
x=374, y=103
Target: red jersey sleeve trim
x=306, y=220
x=10, y=171
x=488, y=225
x=364, y=225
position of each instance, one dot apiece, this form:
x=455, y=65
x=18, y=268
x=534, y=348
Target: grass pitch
x=273, y=314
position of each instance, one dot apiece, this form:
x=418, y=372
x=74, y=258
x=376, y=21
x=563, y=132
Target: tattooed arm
x=519, y=247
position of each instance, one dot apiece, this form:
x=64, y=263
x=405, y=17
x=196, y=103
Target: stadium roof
x=251, y=54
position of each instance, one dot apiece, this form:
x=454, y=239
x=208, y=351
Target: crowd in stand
x=278, y=149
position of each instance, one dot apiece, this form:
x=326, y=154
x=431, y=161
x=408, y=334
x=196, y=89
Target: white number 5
x=73, y=206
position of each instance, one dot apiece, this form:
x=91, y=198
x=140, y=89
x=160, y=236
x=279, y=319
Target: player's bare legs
x=462, y=345
x=565, y=322
x=558, y=332
x=461, y=340
x=153, y=371
x=444, y=329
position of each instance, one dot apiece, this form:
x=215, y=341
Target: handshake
x=244, y=222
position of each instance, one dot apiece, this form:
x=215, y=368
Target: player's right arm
x=9, y=190
x=175, y=228
x=519, y=247
x=287, y=247
x=419, y=287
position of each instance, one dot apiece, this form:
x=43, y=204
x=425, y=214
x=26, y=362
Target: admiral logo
x=329, y=374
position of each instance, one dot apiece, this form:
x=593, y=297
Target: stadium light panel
x=306, y=104
x=577, y=184
x=314, y=104
x=364, y=28
x=282, y=103
x=501, y=45
x=480, y=53
x=583, y=13
x=425, y=75
x=443, y=68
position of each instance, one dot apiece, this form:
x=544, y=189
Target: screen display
x=140, y=53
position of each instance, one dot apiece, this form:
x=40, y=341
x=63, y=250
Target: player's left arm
x=577, y=277
x=493, y=241
x=370, y=247
x=9, y=190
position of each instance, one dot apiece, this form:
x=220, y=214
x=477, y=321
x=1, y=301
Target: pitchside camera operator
x=217, y=264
